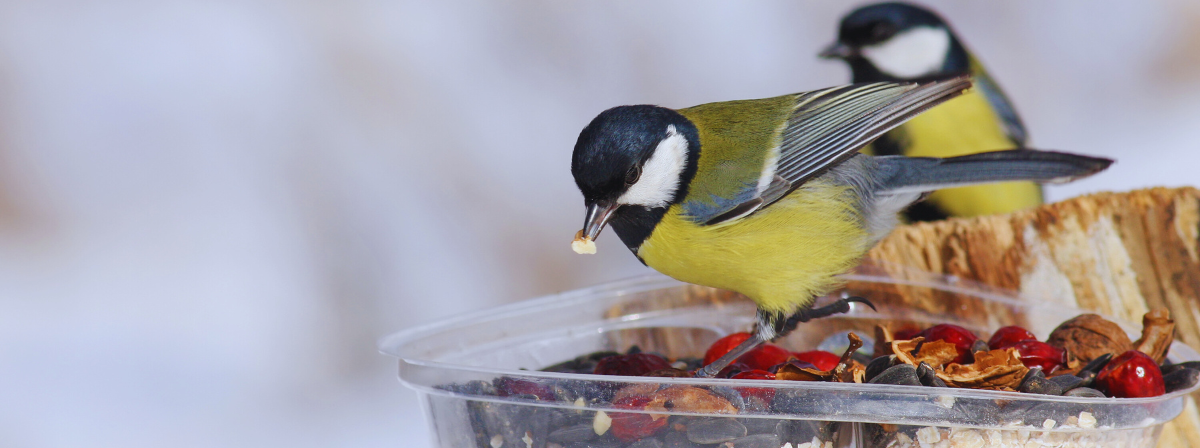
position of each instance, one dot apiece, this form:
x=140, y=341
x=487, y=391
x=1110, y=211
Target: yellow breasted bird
x=771, y=197
x=901, y=42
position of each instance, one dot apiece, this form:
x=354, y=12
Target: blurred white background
x=210, y=210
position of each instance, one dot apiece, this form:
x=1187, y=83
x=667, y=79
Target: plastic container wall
x=457, y=365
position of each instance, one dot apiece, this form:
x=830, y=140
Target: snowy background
x=211, y=210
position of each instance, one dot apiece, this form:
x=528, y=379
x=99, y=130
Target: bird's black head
x=875, y=24
x=631, y=163
x=897, y=41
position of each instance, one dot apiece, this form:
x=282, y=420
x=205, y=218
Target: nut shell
x=1088, y=336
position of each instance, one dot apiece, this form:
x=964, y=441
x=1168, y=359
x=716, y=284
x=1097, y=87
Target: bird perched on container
x=901, y=42
x=771, y=197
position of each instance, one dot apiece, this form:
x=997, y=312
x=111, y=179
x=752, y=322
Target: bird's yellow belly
x=961, y=126
x=782, y=256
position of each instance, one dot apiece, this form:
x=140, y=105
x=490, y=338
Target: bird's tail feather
x=900, y=174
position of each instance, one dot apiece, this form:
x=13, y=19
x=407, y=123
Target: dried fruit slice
x=797, y=370
x=996, y=369
x=954, y=334
x=916, y=351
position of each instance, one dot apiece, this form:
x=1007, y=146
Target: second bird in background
x=902, y=42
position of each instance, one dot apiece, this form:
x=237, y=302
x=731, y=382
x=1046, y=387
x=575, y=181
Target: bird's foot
x=715, y=367
x=768, y=328
x=841, y=306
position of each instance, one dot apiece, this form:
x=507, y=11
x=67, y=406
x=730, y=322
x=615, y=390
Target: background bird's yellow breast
x=961, y=126
x=781, y=256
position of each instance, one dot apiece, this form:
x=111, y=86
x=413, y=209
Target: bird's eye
x=881, y=31
x=633, y=175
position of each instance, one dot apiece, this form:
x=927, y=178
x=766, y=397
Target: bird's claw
x=864, y=301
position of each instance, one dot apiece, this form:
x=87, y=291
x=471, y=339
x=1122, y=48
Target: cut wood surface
x=1119, y=254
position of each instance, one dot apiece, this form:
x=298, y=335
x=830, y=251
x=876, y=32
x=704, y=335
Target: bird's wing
x=829, y=126
x=1000, y=104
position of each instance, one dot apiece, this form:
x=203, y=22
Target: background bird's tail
x=900, y=174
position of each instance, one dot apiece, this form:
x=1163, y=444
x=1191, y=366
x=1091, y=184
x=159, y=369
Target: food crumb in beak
x=583, y=245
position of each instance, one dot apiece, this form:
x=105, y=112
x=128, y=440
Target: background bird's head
x=897, y=41
x=631, y=160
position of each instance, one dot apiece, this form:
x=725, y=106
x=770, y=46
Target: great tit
x=902, y=42
x=771, y=197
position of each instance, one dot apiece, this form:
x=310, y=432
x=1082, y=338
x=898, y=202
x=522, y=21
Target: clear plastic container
x=454, y=364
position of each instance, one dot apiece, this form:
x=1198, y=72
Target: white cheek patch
x=661, y=174
x=920, y=51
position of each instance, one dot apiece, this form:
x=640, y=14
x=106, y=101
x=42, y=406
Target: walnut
x=1158, y=330
x=1088, y=336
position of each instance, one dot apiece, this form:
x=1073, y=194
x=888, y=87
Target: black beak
x=838, y=50
x=598, y=214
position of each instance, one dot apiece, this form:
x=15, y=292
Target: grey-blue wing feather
x=826, y=128
x=720, y=209
x=832, y=125
x=899, y=174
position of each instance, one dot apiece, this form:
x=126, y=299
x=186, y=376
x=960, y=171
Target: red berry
x=765, y=356
x=820, y=359
x=954, y=334
x=1131, y=375
x=1038, y=353
x=637, y=364
x=511, y=386
x=765, y=393
x=723, y=346
x=628, y=426
x=1009, y=336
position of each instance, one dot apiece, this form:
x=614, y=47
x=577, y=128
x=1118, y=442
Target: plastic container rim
x=393, y=345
